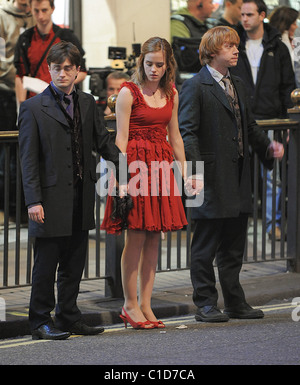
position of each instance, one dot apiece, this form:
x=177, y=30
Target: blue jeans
x=270, y=175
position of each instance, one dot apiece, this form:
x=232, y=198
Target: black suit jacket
x=209, y=132
x=46, y=161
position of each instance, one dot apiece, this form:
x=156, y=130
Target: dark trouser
x=68, y=253
x=223, y=239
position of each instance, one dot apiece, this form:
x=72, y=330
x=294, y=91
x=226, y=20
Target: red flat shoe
x=136, y=325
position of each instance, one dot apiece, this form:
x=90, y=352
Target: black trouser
x=223, y=239
x=68, y=253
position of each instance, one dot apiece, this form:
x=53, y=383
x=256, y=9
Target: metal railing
x=104, y=253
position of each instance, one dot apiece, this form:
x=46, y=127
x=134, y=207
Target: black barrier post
x=293, y=210
x=113, y=249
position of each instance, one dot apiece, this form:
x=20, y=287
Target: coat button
x=234, y=160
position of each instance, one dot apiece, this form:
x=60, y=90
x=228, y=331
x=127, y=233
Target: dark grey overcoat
x=209, y=132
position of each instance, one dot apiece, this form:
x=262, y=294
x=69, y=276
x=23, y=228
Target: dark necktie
x=68, y=99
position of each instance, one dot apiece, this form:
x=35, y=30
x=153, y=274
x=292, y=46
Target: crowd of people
x=247, y=73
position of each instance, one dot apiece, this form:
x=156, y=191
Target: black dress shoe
x=210, y=314
x=243, y=311
x=49, y=332
x=80, y=328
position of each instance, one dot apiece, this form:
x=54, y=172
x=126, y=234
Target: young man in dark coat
x=217, y=127
x=59, y=129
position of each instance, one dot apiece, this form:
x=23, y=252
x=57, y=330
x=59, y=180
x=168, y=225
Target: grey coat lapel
x=215, y=88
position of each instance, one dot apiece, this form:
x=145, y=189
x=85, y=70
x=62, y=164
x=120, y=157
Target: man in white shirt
x=266, y=68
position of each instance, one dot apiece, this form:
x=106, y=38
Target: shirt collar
x=60, y=93
x=216, y=74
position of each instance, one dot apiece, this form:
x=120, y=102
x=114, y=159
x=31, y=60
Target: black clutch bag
x=121, y=208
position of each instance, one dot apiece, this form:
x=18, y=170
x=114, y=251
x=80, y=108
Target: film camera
x=120, y=62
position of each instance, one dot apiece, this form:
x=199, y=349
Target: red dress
x=157, y=204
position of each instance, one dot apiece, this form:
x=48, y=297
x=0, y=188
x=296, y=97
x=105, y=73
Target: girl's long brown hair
x=155, y=44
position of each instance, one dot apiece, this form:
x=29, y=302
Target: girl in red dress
x=146, y=113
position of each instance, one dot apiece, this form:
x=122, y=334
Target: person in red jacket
x=33, y=45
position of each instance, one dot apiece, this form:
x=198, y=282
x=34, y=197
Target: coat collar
x=215, y=88
x=206, y=78
x=52, y=109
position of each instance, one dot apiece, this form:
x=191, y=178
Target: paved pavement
x=172, y=296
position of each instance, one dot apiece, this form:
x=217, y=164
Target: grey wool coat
x=209, y=131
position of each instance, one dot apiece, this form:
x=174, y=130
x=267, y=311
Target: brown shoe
x=1, y=218
x=277, y=234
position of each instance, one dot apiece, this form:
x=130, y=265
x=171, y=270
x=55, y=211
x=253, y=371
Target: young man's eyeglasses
x=67, y=69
